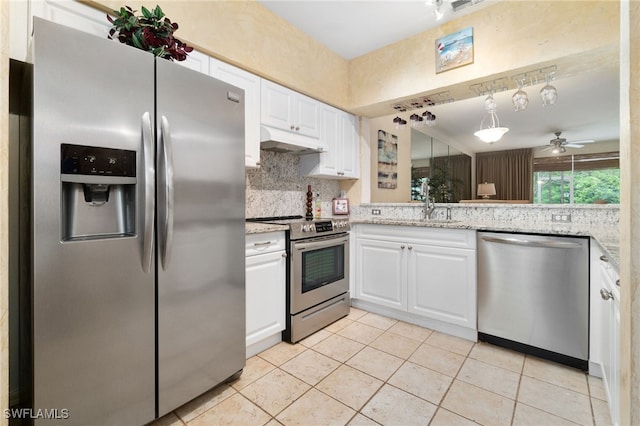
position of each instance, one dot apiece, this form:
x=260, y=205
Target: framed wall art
x=387, y=160
x=454, y=50
x=340, y=206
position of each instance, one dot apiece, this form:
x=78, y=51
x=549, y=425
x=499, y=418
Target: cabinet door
x=348, y=154
x=196, y=61
x=276, y=106
x=442, y=284
x=328, y=160
x=306, y=116
x=265, y=293
x=251, y=85
x=610, y=344
x=381, y=273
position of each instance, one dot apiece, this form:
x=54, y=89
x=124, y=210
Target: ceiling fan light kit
x=559, y=145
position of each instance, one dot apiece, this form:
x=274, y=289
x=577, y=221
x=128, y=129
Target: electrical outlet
x=563, y=218
x=375, y=212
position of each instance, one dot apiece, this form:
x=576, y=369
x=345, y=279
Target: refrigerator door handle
x=149, y=196
x=167, y=153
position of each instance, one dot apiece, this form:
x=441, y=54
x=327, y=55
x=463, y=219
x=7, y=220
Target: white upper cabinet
x=250, y=83
x=291, y=111
x=196, y=61
x=69, y=13
x=338, y=131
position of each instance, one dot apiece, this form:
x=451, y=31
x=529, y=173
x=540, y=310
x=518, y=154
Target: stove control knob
x=305, y=228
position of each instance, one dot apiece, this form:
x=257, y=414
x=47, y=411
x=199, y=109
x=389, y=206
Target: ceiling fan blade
x=573, y=145
x=582, y=141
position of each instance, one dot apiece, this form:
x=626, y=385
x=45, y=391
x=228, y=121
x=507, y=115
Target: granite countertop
x=261, y=228
x=607, y=237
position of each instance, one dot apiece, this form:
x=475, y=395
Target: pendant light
x=491, y=132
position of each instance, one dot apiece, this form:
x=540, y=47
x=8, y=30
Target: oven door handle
x=317, y=244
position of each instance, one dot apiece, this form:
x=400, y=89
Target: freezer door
x=201, y=296
x=93, y=302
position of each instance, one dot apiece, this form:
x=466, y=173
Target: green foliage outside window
x=589, y=187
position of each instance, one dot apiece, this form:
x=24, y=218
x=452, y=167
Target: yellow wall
x=402, y=193
x=574, y=35
x=510, y=35
x=248, y=35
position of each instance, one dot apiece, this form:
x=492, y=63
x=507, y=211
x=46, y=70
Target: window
x=577, y=179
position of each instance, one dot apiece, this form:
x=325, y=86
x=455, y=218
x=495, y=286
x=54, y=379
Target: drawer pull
x=604, y=258
x=262, y=243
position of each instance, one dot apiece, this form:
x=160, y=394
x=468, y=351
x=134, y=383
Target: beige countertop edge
x=261, y=228
x=607, y=237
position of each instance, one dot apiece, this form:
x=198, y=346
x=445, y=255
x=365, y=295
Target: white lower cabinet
x=421, y=275
x=265, y=291
x=605, y=328
x=381, y=273
x=441, y=283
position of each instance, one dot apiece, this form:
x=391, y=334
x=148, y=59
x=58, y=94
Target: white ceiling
x=353, y=28
x=587, y=106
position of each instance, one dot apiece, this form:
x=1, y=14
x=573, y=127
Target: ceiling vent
x=456, y=5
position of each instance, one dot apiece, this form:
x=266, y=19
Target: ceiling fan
x=560, y=145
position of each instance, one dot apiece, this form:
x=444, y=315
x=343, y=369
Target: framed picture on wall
x=340, y=206
x=454, y=50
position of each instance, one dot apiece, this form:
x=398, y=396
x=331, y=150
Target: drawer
x=264, y=243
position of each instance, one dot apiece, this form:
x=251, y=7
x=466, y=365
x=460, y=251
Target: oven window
x=321, y=267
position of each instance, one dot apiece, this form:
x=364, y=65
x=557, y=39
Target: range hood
x=272, y=139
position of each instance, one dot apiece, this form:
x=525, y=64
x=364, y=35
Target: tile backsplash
x=277, y=189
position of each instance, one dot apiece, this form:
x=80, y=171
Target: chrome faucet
x=429, y=204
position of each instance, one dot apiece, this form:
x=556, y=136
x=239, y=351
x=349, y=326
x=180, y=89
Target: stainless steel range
x=318, y=274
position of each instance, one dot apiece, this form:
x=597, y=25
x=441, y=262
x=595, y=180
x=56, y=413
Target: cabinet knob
x=618, y=282
x=604, y=258
x=293, y=127
x=297, y=128
x=605, y=294
x=410, y=248
x=284, y=254
x=402, y=247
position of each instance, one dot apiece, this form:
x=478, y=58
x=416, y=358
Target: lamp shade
x=485, y=190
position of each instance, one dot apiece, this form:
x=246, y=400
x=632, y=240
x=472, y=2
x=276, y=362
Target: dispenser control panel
x=91, y=160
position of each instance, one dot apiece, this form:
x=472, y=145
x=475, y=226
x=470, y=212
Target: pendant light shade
x=491, y=131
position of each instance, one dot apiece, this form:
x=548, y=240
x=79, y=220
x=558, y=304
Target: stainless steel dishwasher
x=533, y=295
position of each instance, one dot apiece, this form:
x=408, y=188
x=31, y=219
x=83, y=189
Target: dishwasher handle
x=532, y=243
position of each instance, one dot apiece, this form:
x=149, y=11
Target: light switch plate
x=375, y=212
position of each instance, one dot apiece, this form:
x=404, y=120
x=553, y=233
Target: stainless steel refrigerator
x=137, y=230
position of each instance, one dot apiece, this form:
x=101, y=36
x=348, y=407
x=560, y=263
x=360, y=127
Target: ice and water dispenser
x=98, y=192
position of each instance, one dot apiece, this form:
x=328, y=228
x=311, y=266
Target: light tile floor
x=367, y=369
